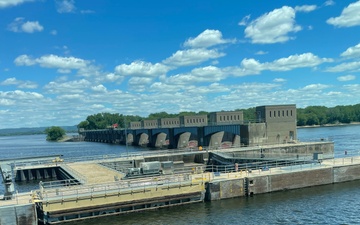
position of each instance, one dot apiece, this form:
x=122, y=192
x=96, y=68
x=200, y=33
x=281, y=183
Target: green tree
x=54, y=133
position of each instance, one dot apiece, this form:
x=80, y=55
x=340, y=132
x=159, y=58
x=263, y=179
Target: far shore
x=330, y=125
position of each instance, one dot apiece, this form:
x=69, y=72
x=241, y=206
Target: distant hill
x=33, y=130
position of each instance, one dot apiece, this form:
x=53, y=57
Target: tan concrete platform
x=95, y=173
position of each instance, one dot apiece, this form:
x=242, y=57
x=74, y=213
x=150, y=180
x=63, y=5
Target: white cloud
x=192, y=57
x=6, y=102
x=305, y=8
x=63, y=64
x=65, y=6
x=24, y=60
x=273, y=27
x=352, y=66
x=140, y=81
x=279, y=80
x=111, y=77
x=19, y=83
x=207, y=39
x=10, y=3
x=261, y=53
x=18, y=25
x=329, y=3
x=244, y=20
x=139, y=84
x=76, y=86
x=99, y=88
x=203, y=74
x=346, y=78
x=141, y=68
x=349, y=17
x=10, y=81
x=296, y=61
x=21, y=95
x=352, y=52
x=315, y=87
x=252, y=66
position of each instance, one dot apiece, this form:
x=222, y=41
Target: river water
x=329, y=204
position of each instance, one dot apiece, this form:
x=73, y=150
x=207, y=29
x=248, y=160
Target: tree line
x=309, y=116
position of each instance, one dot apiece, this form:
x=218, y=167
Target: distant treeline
x=309, y=116
x=321, y=115
x=33, y=130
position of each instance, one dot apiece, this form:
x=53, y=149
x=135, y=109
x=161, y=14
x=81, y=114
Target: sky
x=63, y=60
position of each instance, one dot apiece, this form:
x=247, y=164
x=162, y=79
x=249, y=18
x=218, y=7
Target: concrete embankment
x=95, y=198
x=283, y=178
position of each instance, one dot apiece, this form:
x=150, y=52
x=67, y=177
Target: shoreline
x=329, y=125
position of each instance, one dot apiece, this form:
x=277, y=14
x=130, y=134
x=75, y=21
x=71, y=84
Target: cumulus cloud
x=19, y=83
x=21, y=95
x=346, y=78
x=192, y=56
x=253, y=66
x=99, y=88
x=296, y=61
x=203, y=74
x=207, y=39
x=141, y=68
x=349, y=17
x=75, y=86
x=273, y=27
x=63, y=64
x=19, y=25
x=351, y=66
x=352, y=52
x=65, y=6
x=10, y=3
x=305, y=8
x=315, y=87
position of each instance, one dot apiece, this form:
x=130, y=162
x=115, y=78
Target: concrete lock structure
x=258, y=157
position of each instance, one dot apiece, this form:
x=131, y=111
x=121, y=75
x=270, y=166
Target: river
x=329, y=204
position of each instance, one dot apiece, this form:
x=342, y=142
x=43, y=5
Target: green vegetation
x=309, y=116
x=321, y=115
x=54, y=133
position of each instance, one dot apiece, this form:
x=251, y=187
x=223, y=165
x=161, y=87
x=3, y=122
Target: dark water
x=330, y=204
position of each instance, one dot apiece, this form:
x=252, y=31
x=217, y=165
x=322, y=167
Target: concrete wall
x=18, y=215
x=346, y=173
x=257, y=184
x=302, y=151
x=294, y=180
x=223, y=189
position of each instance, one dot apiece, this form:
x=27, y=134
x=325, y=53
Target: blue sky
x=61, y=61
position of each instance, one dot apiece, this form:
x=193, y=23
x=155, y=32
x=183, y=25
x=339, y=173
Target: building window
x=287, y=112
x=270, y=113
x=274, y=113
x=283, y=113
x=279, y=113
